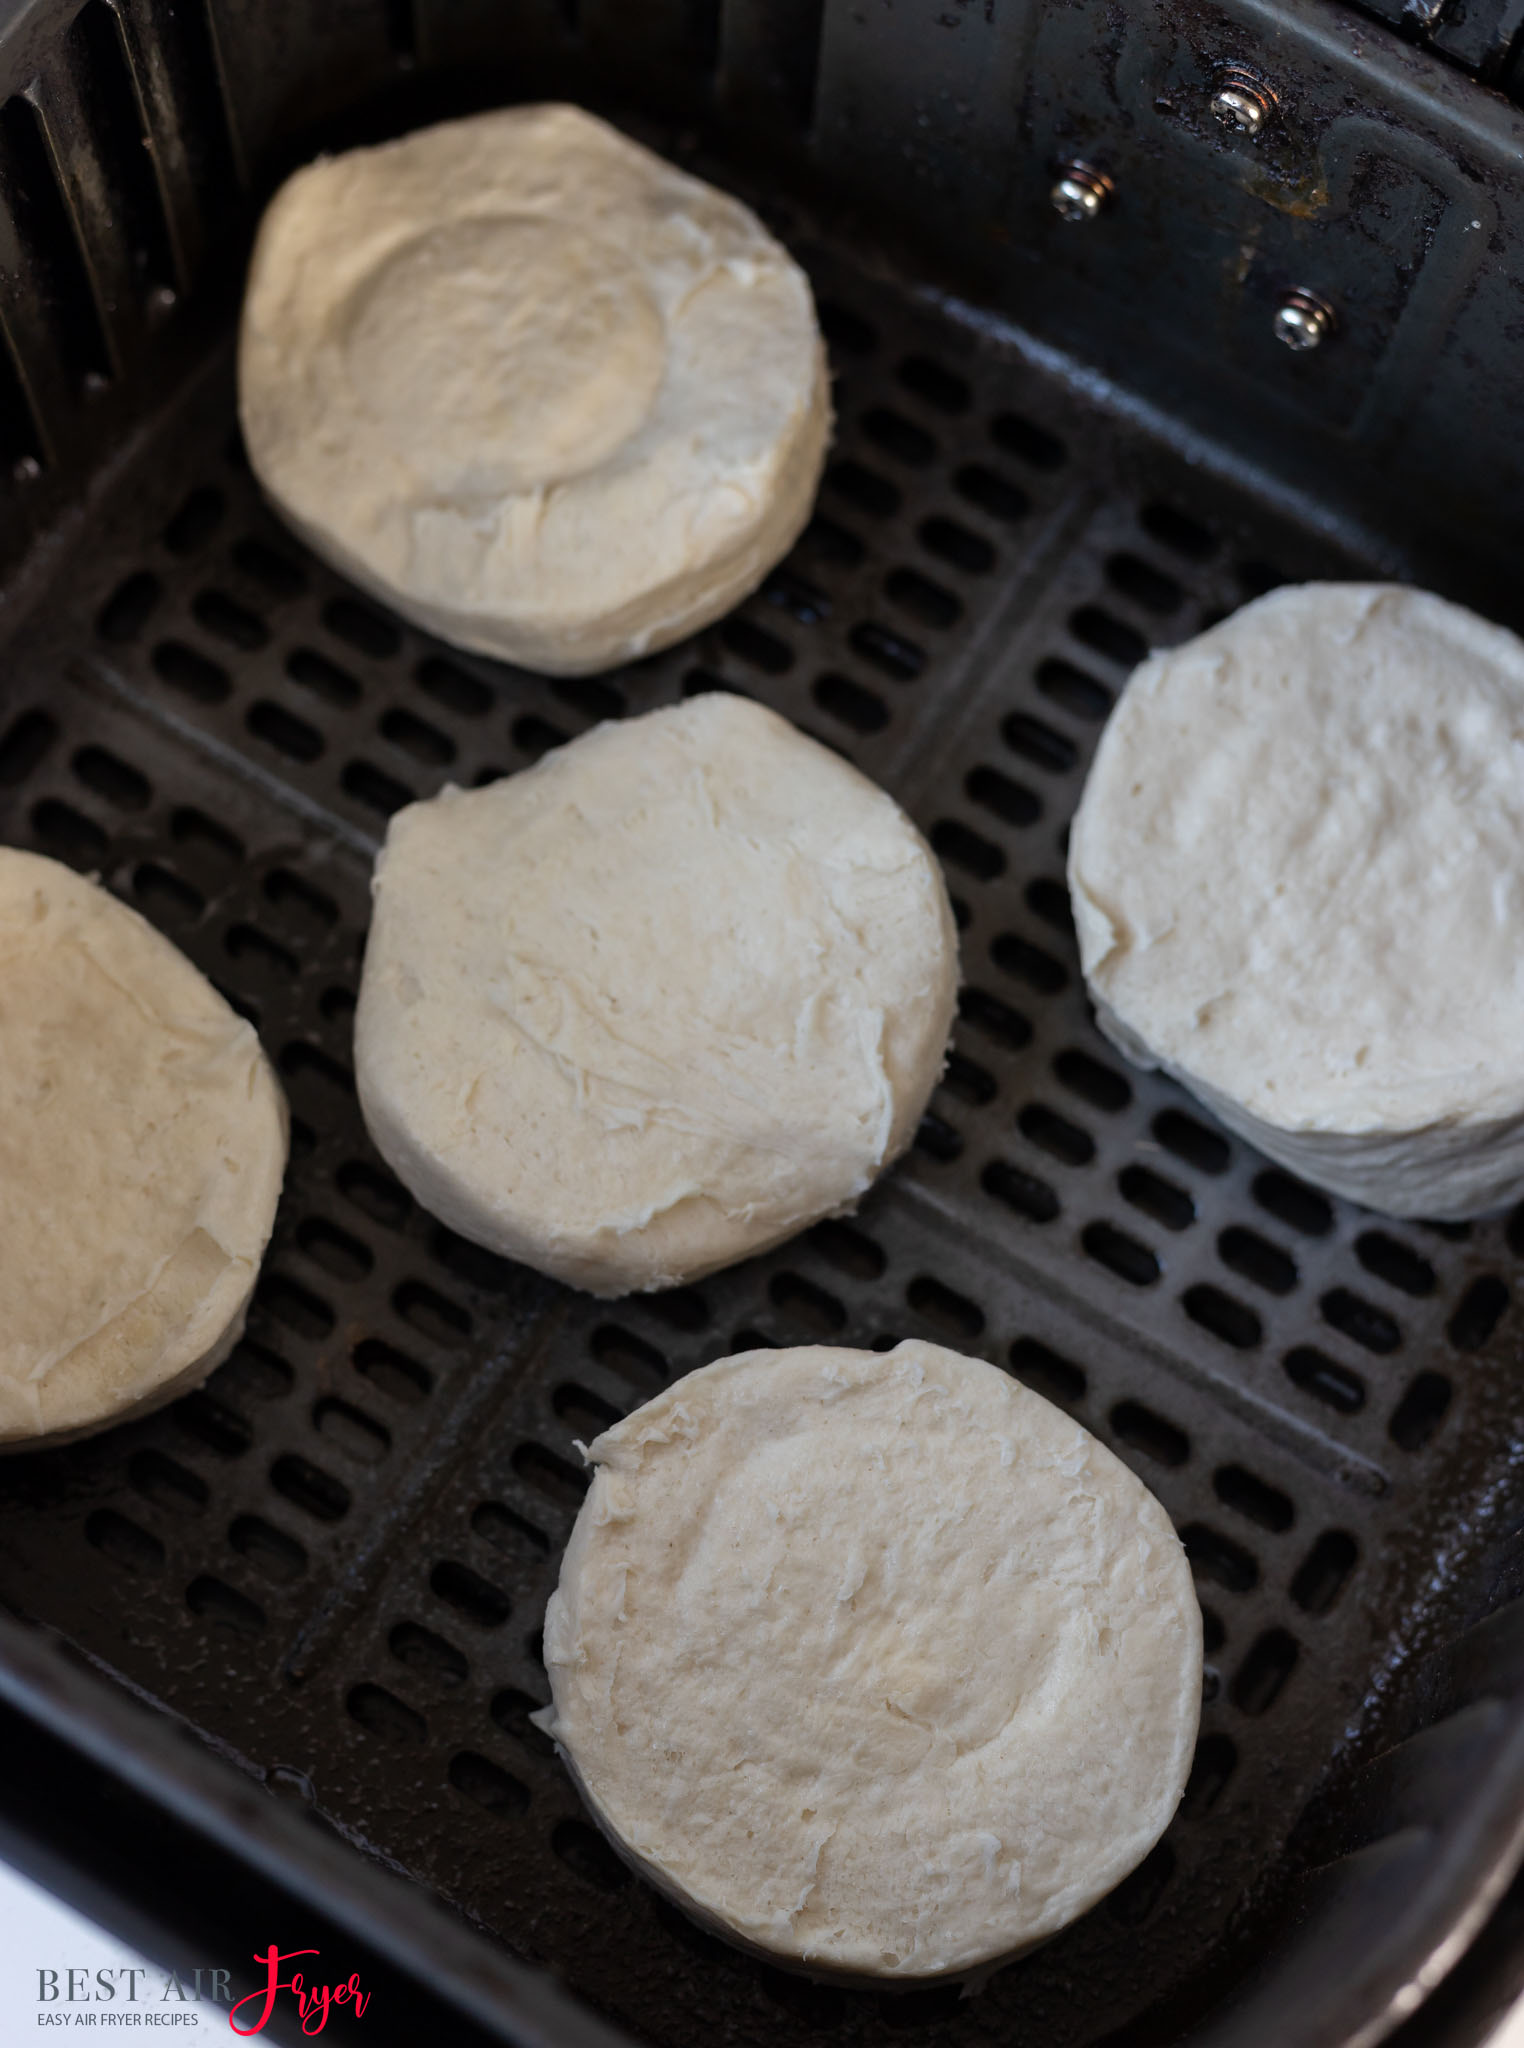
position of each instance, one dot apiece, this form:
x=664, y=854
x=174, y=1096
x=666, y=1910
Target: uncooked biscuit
x=545, y=394
x=142, y=1144
x=880, y=1664
x=657, y=1002
x=1298, y=881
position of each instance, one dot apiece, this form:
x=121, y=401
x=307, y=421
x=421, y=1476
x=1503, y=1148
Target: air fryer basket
x=331, y=1565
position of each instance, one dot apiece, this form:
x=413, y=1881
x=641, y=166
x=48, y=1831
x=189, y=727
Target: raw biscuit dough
x=1298, y=879
x=142, y=1144
x=543, y=393
x=656, y=1003
x=878, y=1663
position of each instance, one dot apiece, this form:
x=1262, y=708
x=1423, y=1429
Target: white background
x=37, y=1932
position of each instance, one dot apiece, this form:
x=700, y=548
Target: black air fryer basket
x=269, y=1656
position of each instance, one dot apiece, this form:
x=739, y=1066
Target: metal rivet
x=1243, y=104
x=1303, y=320
x=1080, y=192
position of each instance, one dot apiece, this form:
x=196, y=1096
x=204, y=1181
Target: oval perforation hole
x=284, y=731
x=212, y=1424
x=891, y=653
x=1046, y=1372
x=299, y=902
x=1039, y=743
x=1191, y=1141
x=845, y=329
x=310, y=1488
x=806, y=1304
x=962, y=847
x=204, y=841
x=795, y=595
x=995, y=1019
x=487, y=1785
x=1323, y=1574
x=224, y=1607
x=431, y=1314
x=300, y=1061
x=203, y=681
x=758, y=648
x=1264, y=1672
x=427, y=1654
x=223, y=617
x=585, y=1853
x=1023, y=1192
x=1055, y=1134
x=1179, y=532
x=1361, y=1320
x=195, y=522
x=842, y=699
x=680, y=1308
x=255, y=1373
x=334, y=1249
x=1290, y=1202
x=1255, y=1258
x=848, y=1249
x=942, y=1305
x=1019, y=958
x=1097, y=629
x=510, y=1710
x=128, y=609
x=455, y=688
x=957, y=544
x=1142, y=1430
x=274, y=1554
x=933, y=384
x=1050, y=900
x=966, y=1079
x=164, y=896
x=937, y=1139
x=352, y=1432
x=1012, y=802
x=1073, y=690
x=551, y=1476
x=392, y=1372
x=924, y=600
x=473, y=1263
x=1478, y=1313
x=1325, y=1380
x=168, y=1485
x=374, y=788
x=1218, y=1558
x=255, y=949
x=126, y=1544
x=324, y=678
x=1420, y=1412
x=273, y=571
x=469, y=1594
x=899, y=437
x=104, y=773
x=584, y=1412
x=1215, y=1762
x=640, y=1364
x=375, y=1194
x=1396, y=1263
x=1120, y=1253
x=1101, y=1086
x=507, y=1530
x=1253, y=1498
x=1029, y=442
x=1144, y=584
x=381, y=1713
x=69, y=835
x=831, y=542
x=1157, y=1197
x=991, y=493
x=864, y=488
x=361, y=628
x=1224, y=1315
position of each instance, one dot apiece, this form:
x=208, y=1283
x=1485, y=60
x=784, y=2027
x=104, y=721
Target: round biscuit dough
x=535, y=388
x=142, y=1146
x=656, y=1003
x=1298, y=880
x=877, y=1663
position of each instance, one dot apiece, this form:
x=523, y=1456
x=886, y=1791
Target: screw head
x=1080, y=192
x=1242, y=105
x=1303, y=320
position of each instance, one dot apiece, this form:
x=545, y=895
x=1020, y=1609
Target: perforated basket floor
x=334, y=1561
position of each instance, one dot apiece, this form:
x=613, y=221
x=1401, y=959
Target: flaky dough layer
x=1298, y=880
x=876, y=1662
x=545, y=394
x=142, y=1146
x=657, y=1002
